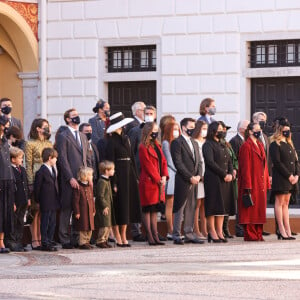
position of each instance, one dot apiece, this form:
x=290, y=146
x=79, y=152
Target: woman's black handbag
x=247, y=200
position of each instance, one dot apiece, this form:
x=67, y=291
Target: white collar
x=49, y=168
x=140, y=121
x=72, y=129
x=241, y=136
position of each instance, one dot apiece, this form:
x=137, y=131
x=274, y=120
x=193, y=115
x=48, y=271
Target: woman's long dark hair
x=33, y=134
x=212, y=130
x=249, y=127
x=198, y=128
x=147, y=129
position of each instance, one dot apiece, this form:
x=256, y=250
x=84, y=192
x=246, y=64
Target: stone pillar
x=30, y=98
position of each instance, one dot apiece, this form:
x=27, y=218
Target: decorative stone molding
x=28, y=10
x=30, y=98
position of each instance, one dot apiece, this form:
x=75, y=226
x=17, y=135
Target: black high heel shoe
x=280, y=237
x=159, y=243
x=37, y=247
x=152, y=243
x=291, y=238
x=210, y=239
x=223, y=240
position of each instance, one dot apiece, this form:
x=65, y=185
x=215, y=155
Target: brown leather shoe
x=102, y=245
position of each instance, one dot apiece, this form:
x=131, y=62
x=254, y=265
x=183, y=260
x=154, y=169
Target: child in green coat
x=104, y=218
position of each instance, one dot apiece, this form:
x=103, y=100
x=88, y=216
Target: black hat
x=99, y=104
x=223, y=125
x=3, y=120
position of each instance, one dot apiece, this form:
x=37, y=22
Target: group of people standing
x=114, y=171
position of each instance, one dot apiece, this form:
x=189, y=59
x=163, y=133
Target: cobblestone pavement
x=237, y=270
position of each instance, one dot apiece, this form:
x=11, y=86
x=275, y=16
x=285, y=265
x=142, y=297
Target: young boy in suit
x=46, y=194
x=22, y=201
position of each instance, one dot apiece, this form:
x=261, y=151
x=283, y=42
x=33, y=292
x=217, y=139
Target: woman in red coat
x=154, y=174
x=253, y=180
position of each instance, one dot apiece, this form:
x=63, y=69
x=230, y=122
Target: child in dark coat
x=22, y=201
x=84, y=207
x=47, y=195
x=105, y=217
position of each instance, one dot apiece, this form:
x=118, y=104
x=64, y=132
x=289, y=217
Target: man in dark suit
x=73, y=152
x=138, y=115
x=236, y=143
x=261, y=118
x=86, y=129
x=6, y=108
x=186, y=158
x=100, y=121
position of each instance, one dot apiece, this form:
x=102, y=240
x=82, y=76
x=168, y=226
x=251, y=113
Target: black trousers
x=48, y=223
x=15, y=237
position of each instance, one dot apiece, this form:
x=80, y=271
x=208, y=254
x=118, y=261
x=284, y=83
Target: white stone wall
x=203, y=49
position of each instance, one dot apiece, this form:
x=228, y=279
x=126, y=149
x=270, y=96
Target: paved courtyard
x=237, y=270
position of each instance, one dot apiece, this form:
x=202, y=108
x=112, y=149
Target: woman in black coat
x=6, y=186
x=217, y=182
x=285, y=175
x=127, y=201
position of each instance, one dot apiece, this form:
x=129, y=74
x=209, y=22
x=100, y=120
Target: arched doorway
x=18, y=64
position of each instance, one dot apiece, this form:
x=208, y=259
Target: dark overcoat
x=127, y=200
x=149, y=184
x=219, y=195
x=21, y=184
x=70, y=158
x=98, y=127
x=46, y=190
x=285, y=164
x=83, y=204
x=187, y=165
x=104, y=199
x=253, y=176
x=236, y=142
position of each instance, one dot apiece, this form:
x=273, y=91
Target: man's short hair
x=185, y=121
x=150, y=107
x=82, y=125
x=135, y=106
x=257, y=114
x=67, y=114
x=4, y=100
x=48, y=153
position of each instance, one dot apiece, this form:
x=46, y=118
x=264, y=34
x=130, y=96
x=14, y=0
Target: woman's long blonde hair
x=277, y=135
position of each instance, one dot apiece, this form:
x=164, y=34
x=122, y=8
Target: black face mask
x=262, y=124
x=16, y=144
x=154, y=135
x=5, y=131
x=6, y=110
x=107, y=113
x=88, y=135
x=220, y=135
x=257, y=134
x=189, y=132
x=46, y=132
x=286, y=133
x=75, y=120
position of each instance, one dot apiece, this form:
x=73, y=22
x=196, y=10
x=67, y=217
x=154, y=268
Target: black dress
x=127, y=201
x=7, y=189
x=285, y=164
x=219, y=195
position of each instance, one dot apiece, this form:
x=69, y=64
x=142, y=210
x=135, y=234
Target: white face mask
x=203, y=133
x=175, y=133
x=149, y=119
